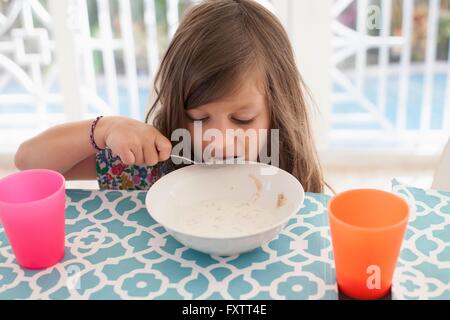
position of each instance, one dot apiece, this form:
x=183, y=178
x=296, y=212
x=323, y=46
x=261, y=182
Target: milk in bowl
x=227, y=210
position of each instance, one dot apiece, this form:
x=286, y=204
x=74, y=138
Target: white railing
x=354, y=42
x=64, y=69
x=99, y=57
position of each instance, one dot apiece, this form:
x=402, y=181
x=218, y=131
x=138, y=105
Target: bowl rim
x=24, y=173
x=405, y=219
x=248, y=235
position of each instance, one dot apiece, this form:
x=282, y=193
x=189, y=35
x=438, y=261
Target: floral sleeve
x=113, y=174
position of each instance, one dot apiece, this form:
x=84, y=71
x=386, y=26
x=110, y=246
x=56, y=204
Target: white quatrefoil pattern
x=423, y=269
x=115, y=250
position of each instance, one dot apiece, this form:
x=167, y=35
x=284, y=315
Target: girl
x=229, y=66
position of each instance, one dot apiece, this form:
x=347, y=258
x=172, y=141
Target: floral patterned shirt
x=113, y=174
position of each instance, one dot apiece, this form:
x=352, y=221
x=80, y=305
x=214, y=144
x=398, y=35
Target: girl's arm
x=62, y=148
x=67, y=149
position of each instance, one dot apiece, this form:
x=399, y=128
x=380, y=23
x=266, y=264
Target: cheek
x=197, y=137
x=190, y=128
x=262, y=140
x=254, y=146
x=263, y=126
x=263, y=120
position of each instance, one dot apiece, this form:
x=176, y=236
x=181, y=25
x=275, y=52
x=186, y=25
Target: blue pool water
x=413, y=109
x=413, y=104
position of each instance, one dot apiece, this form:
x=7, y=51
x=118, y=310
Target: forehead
x=249, y=84
x=248, y=90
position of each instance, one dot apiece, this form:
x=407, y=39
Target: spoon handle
x=183, y=158
x=214, y=162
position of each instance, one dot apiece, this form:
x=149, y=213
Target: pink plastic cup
x=32, y=212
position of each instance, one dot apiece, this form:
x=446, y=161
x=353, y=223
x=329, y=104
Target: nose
x=226, y=145
x=229, y=148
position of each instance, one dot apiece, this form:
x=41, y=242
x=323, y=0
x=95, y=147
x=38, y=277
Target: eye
x=242, y=121
x=196, y=119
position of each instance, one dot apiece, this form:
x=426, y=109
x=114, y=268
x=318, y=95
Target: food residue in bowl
x=281, y=200
x=224, y=218
x=258, y=185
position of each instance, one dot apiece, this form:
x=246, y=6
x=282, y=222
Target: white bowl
x=225, y=210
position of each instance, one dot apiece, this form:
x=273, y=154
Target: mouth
x=223, y=159
x=232, y=157
x=227, y=160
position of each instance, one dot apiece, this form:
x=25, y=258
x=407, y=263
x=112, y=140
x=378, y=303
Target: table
x=115, y=250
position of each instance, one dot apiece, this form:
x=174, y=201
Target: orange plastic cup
x=367, y=229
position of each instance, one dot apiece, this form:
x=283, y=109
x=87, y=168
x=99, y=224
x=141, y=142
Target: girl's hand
x=133, y=141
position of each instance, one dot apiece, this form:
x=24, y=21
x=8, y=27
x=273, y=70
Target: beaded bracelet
x=94, y=124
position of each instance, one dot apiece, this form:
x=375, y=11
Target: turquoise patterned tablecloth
x=115, y=250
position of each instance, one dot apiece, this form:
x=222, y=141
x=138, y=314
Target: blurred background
x=378, y=71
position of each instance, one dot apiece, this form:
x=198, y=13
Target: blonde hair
x=218, y=41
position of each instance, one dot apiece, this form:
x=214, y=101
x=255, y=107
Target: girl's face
x=245, y=108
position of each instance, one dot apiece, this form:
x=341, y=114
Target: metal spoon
x=211, y=162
